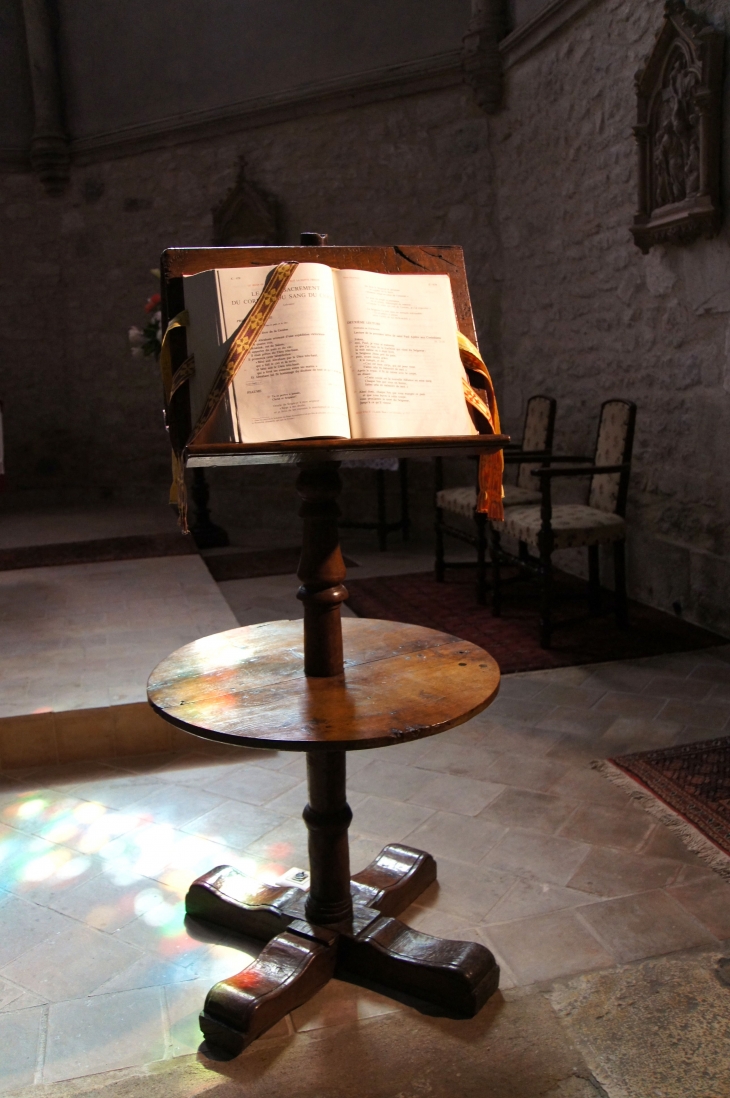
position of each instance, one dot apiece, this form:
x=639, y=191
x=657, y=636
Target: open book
x=345, y=354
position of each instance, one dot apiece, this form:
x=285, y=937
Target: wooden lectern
x=333, y=687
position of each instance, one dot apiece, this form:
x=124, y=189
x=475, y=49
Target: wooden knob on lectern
x=313, y=240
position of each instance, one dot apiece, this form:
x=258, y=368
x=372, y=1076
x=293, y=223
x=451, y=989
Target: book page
x=399, y=346
x=291, y=384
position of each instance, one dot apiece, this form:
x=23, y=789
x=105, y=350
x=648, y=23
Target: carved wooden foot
x=288, y=971
x=301, y=957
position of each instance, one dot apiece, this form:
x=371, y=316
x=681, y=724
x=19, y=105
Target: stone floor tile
x=384, y=779
x=720, y=691
x=454, y=794
x=338, y=1003
x=630, y=705
x=39, y=811
x=712, y=718
x=515, y=709
x=72, y=961
x=520, y=686
x=285, y=845
x=576, y=750
x=565, y=719
x=629, y=734
x=692, y=734
x=670, y=686
x=545, y=947
x=518, y=739
x=528, y=809
x=107, y=1032
x=20, y=1033
x=460, y=838
x=363, y=851
x=588, y=786
x=527, y=898
x=388, y=819
x=576, y=697
x=197, y=769
x=151, y=971
x=234, y=824
x=634, y=927
x=25, y=925
x=252, y=784
x=471, y=734
x=607, y=872
x=119, y=790
x=524, y=772
x=439, y=924
x=621, y=676
x=451, y=758
x=174, y=805
x=466, y=890
x=662, y=842
x=626, y=827
x=711, y=671
x=106, y=904
x=536, y=856
x=708, y=901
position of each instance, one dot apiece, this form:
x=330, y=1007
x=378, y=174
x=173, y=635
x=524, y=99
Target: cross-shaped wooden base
x=369, y=945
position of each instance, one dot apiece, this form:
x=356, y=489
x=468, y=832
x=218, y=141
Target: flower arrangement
x=148, y=340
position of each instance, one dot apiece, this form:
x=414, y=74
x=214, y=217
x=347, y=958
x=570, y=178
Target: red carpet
x=513, y=638
x=692, y=780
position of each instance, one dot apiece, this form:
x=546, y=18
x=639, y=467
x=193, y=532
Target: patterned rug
x=688, y=787
x=513, y=638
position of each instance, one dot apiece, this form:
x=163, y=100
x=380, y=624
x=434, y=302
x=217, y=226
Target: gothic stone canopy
x=678, y=131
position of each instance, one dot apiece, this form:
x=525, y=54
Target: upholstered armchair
x=546, y=527
x=537, y=440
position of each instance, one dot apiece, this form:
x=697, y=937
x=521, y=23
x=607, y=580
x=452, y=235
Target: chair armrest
x=581, y=471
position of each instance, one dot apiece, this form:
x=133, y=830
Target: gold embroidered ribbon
x=490, y=465
x=243, y=341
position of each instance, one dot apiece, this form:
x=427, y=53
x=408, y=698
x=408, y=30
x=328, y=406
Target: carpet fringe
x=692, y=838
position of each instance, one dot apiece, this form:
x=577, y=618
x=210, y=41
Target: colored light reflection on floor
x=137, y=869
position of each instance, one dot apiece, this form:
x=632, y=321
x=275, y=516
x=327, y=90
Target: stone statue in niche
x=678, y=131
x=247, y=215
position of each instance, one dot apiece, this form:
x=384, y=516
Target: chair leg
x=382, y=521
x=494, y=552
x=481, y=525
x=404, y=514
x=594, y=582
x=522, y=553
x=546, y=592
x=619, y=572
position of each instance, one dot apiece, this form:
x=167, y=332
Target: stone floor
x=540, y=858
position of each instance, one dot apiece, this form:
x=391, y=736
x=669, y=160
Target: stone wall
x=585, y=316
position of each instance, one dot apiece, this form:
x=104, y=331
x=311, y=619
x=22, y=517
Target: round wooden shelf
x=248, y=686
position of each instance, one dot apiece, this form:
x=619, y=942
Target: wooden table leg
x=343, y=926
x=328, y=816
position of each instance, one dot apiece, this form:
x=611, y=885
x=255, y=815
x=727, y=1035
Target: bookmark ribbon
x=491, y=466
x=241, y=345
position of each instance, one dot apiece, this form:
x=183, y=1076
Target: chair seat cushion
x=462, y=501
x=574, y=525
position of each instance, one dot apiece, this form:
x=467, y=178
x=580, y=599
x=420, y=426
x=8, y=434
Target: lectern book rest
x=344, y=354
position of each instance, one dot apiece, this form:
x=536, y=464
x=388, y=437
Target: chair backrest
x=614, y=443
x=537, y=434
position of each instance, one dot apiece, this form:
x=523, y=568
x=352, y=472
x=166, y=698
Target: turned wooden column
x=322, y=570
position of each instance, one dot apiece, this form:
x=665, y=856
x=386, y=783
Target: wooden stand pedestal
x=267, y=686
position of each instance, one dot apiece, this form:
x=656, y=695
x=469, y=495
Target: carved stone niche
x=247, y=215
x=679, y=93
